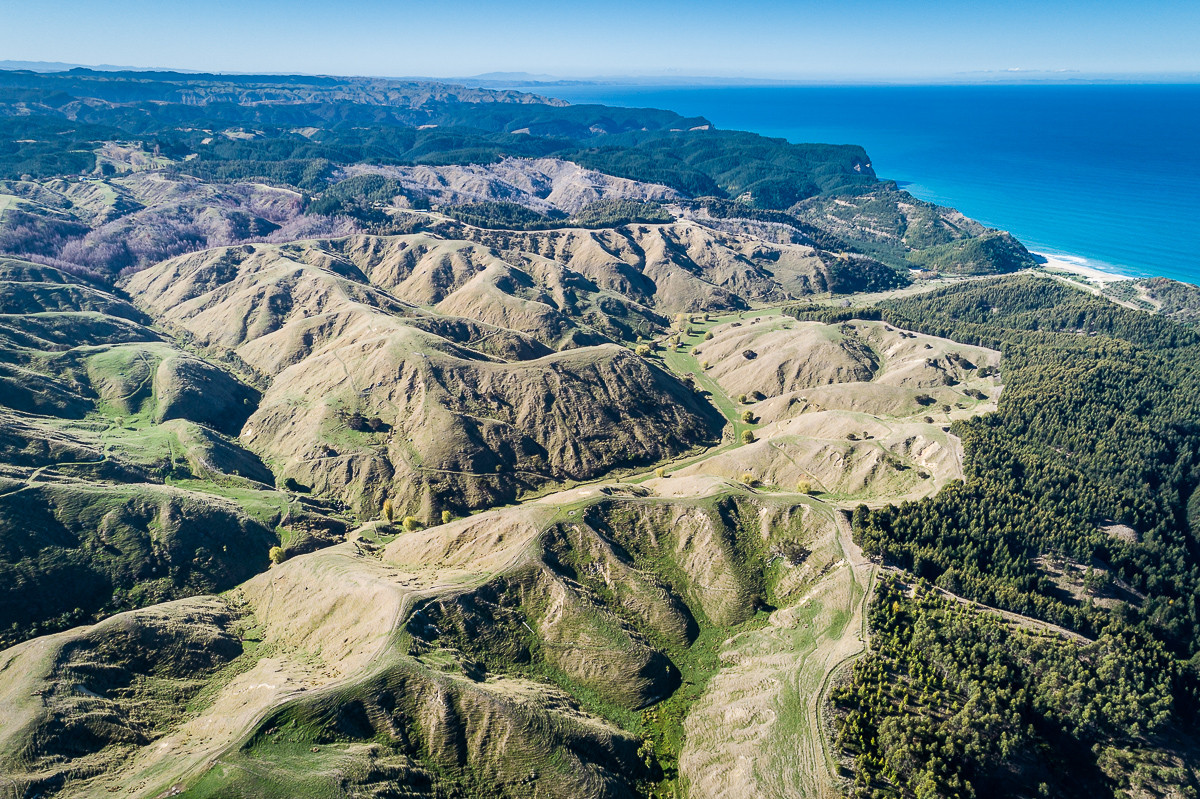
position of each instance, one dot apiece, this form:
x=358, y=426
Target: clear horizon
x=857, y=41
x=519, y=78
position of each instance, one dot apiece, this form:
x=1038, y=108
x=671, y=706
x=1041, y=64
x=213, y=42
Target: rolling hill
x=367, y=438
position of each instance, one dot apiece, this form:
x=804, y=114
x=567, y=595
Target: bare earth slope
x=118, y=484
x=541, y=650
x=453, y=427
x=542, y=184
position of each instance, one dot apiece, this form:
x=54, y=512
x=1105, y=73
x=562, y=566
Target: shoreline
x=1080, y=266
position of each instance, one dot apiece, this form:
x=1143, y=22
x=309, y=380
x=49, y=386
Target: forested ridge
x=86, y=134
x=299, y=140
x=1034, y=627
x=1096, y=427
x=955, y=702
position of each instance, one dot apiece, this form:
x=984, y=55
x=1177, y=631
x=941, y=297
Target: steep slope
x=280, y=673
x=118, y=487
x=450, y=426
x=541, y=184
x=899, y=228
x=682, y=266
x=585, y=643
x=421, y=668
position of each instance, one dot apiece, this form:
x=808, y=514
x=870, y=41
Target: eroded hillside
x=122, y=485
x=366, y=438
x=577, y=644
x=372, y=396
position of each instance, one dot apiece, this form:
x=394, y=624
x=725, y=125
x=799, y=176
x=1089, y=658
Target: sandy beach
x=1076, y=266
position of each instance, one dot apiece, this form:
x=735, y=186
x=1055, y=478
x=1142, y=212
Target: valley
x=605, y=612
x=471, y=444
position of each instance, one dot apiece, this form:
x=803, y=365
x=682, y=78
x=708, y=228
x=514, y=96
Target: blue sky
x=852, y=39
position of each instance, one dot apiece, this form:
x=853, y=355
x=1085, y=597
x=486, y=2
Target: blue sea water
x=1108, y=174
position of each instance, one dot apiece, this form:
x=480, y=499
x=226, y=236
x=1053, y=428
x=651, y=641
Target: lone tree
x=388, y=511
x=277, y=555
x=748, y=416
x=748, y=437
x=411, y=523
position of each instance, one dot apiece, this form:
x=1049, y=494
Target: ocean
x=1105, y=175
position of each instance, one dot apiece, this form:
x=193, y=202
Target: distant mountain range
x=62, y=66
x=390, y=438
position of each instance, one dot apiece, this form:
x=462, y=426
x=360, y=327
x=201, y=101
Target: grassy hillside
x=599, y=620
x=1074, y=510
x=119, y=486
x=220, y=129
x=377, y=438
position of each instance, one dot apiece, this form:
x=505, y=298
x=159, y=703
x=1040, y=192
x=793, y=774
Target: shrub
x=748, y=416
x=742, y=399
x=613, y=213
x=447, y=516
x=749, y=479
x=504, y=216
x=277, y=555
x=708, y=336
x=411, y=523
x=805, y=487
x=748, y=437
x=643, y=350
x=388, y=511
x=660, y=472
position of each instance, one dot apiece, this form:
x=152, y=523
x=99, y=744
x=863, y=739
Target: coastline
x=1137, y=186
x=1081, y=267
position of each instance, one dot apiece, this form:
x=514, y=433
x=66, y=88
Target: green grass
x=9, y=201
x=663, y=723
x=262, y=505
x=253, y=650
x=280, y=770
x=683, y=361
x=697, y=664
x=127, y=371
